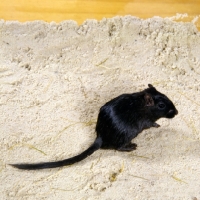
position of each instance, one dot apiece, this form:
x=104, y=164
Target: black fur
x=119, y=121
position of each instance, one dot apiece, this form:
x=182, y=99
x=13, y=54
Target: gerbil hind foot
x=156, y=125
x=128, y=147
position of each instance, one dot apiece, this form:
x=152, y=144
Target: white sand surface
x=53, y=80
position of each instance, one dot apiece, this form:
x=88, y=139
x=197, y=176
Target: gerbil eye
x=161, y=105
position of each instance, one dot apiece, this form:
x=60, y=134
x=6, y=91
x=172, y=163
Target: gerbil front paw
x=156, y=125
x=128, y=147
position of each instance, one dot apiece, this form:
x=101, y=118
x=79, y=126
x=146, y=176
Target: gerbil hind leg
x=128, y=147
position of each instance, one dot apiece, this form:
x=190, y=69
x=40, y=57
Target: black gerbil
x=119, y=121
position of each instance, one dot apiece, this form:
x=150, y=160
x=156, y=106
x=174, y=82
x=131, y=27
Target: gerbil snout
x=172, y=113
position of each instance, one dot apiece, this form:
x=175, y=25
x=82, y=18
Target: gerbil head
x=159, y=104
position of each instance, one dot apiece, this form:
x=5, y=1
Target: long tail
x=95, y=146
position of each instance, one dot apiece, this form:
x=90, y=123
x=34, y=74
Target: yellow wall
x=80, y=10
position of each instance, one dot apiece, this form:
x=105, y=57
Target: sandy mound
x=55, y=77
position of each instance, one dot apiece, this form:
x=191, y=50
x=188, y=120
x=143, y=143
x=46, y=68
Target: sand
x=54, y=77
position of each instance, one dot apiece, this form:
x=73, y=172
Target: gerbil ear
x=148, y=100
x=150, y=85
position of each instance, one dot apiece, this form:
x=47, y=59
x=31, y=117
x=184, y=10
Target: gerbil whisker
x=189, y=98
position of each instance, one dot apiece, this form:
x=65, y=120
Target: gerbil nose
x=175, y=112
